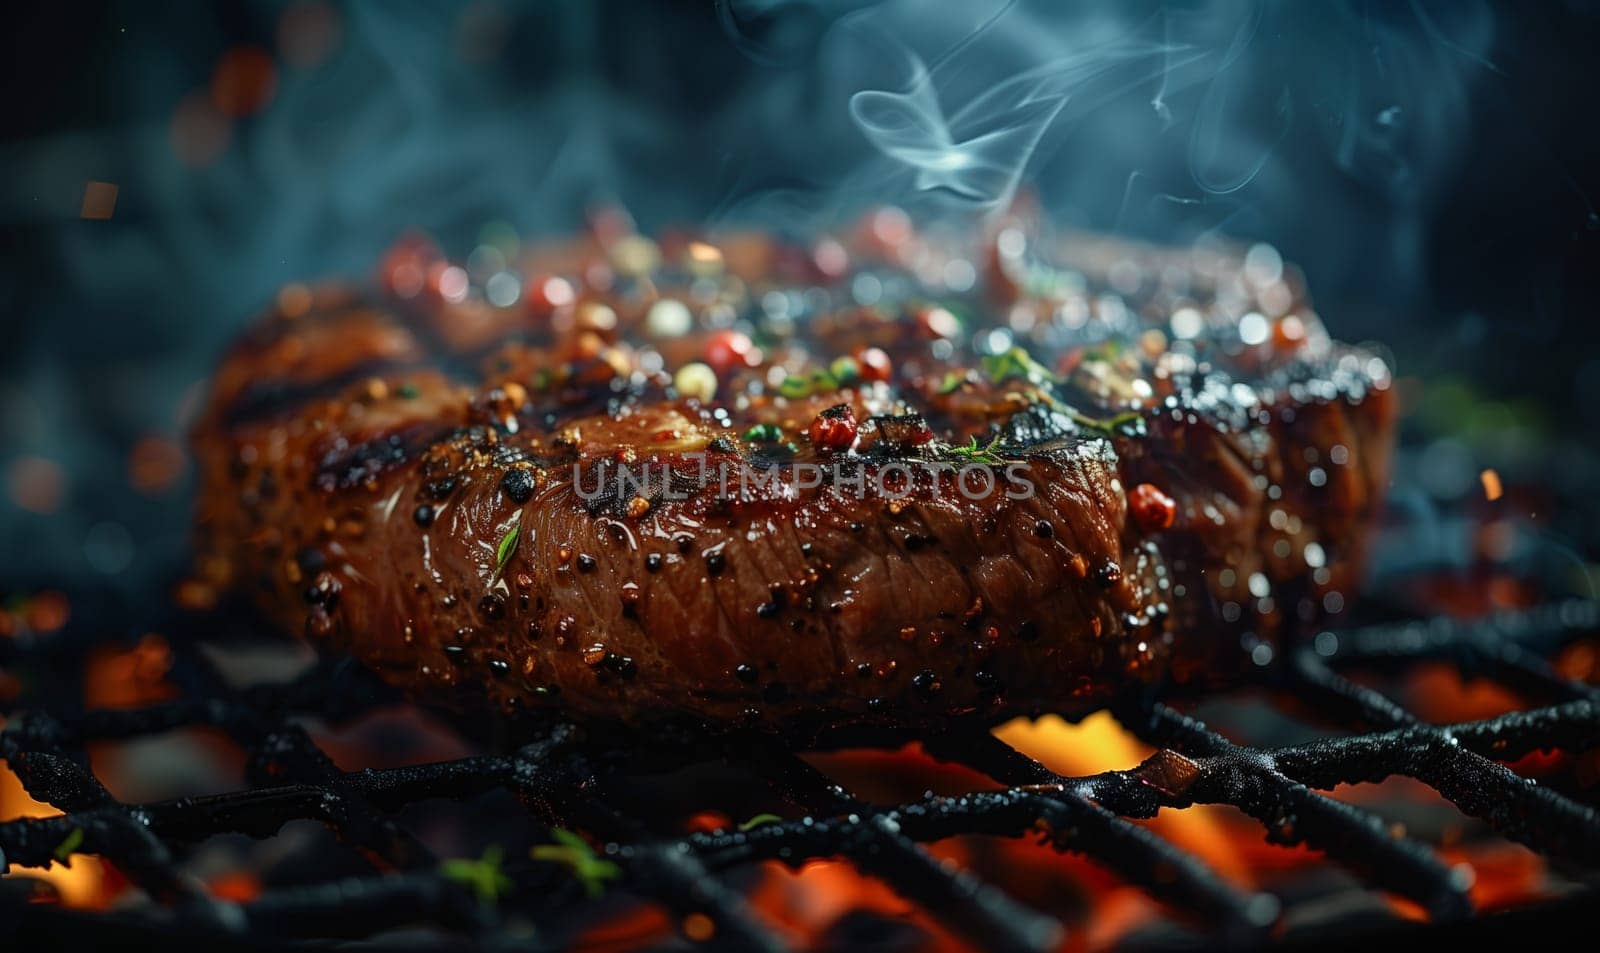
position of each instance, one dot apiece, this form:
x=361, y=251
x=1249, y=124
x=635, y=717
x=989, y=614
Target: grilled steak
x=884, y=479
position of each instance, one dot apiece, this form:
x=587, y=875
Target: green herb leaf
x=759, y=820
x=573, y=851
x=69, y=845
x=797, y=386
x=408, y=391
x=952, y=382
x=794, y=387
x=822, y=382
x=1017, y=363
x=1128, y=423
x=502, y=552
x=484, y=876
x=1108, y=350
x=979, y=453
x=763, y=433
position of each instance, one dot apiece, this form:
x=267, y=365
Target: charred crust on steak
x=435, y=460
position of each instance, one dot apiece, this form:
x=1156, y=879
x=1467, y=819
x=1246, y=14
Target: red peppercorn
x=834, y=429
x=730, y=350
x=904, y=430
x=875, y=365
x=1152, y=509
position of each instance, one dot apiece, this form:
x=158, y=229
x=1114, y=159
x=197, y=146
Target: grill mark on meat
x=269, y=398
x=345, y=467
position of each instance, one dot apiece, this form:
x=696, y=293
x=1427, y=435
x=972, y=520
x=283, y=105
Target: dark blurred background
x=1431, y=165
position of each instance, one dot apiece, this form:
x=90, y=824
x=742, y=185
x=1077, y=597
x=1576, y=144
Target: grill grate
x=564, y=778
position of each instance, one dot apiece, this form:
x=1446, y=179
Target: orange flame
x=113, y=678
x=82, y=881
x=1099, y=744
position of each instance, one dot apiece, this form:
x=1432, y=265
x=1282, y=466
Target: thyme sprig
x=483, y=876
x=975, y=452
x=590, y=869
x=502, y=552
x=1017, y=363
x=1118, y=425
x=68, y=845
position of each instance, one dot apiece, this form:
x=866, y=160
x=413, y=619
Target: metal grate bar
x=1516, y=807
x=682, y=882
x=48, y=774
x=563, y=777
x=1511, y=647
x=1570, y=727
x=1542, y=629
x=1292, y=813
x=1211, y=770
x=1082, y=813
x=966, y=904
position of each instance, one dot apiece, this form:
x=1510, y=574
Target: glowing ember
x=699, y=927
x=1440, y=694
x=1492, y=489
x=1099, y=744
x=237, y=887
x=36, y=484
x=199, y=131
x=128, y=678
x=294, y=300
x=83, y=880
x=40, y=614
x=639, y=928
x=308, y=32
x=99, y=200
x=47, y=612
x=156, y=464
x=243, y=82
x=810, y=900
x=1091, y=746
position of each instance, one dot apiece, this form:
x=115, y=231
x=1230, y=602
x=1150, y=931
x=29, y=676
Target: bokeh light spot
x=243, y=82
x=36, y=484
x=155, y=465
x=199, y=131
x=308, y=32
